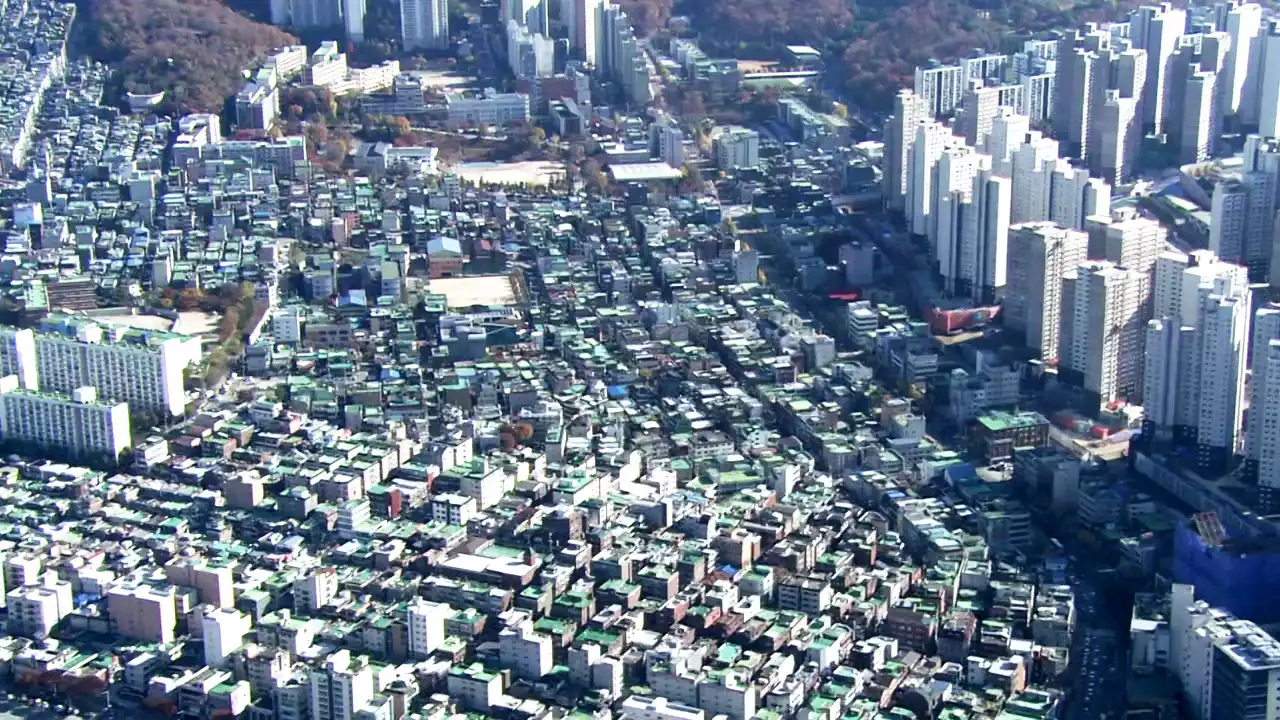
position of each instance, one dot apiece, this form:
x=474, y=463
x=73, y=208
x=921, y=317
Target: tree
x=537, y=137
x=594, y=176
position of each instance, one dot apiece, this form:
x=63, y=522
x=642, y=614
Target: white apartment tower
x=353, y=19
x=1269, y=91
x=908, y=111
x=1228, y=217
x=984, y=239
x=956, y=169
x=1100, y=314
x=1240, y=80
x=979, y=107
x=1156, y=29
x=941, y=87
x=1074, y=196
x=1199, y=117
x=1261, y=178
x=424, y=24
x=1264, y=401
x=1032, y=164
x=77, y=424
x=1009, y=131
x=586, y=28
x=922, y=157
x=666, y=142
x=1115, y=154
x=1195, y=355
x=1040, y=254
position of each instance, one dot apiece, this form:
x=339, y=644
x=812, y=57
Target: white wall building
x=426, y=626
x=1100, y=310
x=78, y=423
x=527, y=653
x=491, y=107
x=223, y=631
x=341, y=687
x=736, y=148
x=984, y=239
x=1040, y=254
x=424, y=24
x=1156, y=29
x=1195, y=357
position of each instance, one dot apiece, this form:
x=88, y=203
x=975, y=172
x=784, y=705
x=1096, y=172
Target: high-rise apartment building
x=1040, y=254
x=984, y=241
x=77, y=424
x=1240, y=80
x=908, y=111
x=424, y=24
x=144, y=370
x=1101, y=312
x=1195, y=353
x=1157, y=29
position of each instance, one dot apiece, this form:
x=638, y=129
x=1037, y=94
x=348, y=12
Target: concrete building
x=978, y=110
x=1242, y=64
x=1200, y=114
x=425, y=622
x=77, y=424
x=1115, y=155
x=341, y=688
x=527, y=653
x=1100, y=314
x=941, y=87
x=1040, y=254
x=489, y=107
x=666, y=142
x=736, y=148
x=223, y=631
x=1228, y=213
x=35, y=610
x=146, y=372
x=143, y=612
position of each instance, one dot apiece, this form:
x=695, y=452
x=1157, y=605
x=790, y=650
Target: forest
x=194, y=50
x=873, y=46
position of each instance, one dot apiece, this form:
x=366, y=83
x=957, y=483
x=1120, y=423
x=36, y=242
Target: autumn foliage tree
x=194, y=50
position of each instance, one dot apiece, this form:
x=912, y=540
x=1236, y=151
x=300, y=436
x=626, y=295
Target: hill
x=195, y=50
x=873, y=46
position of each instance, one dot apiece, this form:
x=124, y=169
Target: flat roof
x=471, y=290
x=644, y=172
